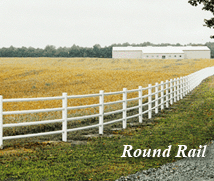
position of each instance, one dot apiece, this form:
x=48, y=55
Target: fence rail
x=169, y=91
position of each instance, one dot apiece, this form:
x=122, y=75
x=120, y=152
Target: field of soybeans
x=47, y=77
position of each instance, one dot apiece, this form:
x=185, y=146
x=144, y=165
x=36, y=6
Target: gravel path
x=186, y=169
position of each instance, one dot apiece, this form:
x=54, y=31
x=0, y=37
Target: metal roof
x=127, y=48
x=162, y=50
x=166, y=49
x=196, y=48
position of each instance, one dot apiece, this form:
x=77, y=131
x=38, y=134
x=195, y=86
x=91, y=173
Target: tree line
x=76, y=51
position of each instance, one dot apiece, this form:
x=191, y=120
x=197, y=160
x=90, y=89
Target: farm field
x=46, y=77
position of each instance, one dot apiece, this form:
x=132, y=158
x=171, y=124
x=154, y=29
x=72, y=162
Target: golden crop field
x=47, y=77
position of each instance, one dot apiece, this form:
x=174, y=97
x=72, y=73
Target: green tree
x=96, y=50
x=62, y=52
x=49, y=51
x=208, y=5
x=74, y=51
x=211, y=47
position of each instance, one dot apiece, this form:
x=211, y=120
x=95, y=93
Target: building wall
x=127, y=54
x=138, y=54
x=163, y=56
x=189, y=54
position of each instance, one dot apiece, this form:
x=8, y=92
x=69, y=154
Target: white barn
x=169, y=52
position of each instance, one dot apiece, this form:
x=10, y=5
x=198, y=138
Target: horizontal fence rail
x=165, y=94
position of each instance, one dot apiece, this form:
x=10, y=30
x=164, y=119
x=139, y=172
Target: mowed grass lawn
x=190, y=122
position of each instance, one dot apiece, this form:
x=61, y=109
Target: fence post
x=190, y=83
x=140, y=104
x=124, y=107
x=1, y=122
x=175, y=100
x=149, y=101
x=181, y=87
x=184, y=86
x=188, y=86
x=193, y=82
x=171, y=96
x=101, y=111
x=162, y=94
x=156, y=97
x=178, y=88
x=167, y=94
x=64, y=117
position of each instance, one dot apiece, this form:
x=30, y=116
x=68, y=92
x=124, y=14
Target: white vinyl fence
x=170, y=91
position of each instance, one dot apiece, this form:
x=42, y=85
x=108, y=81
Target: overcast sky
x=38, y=23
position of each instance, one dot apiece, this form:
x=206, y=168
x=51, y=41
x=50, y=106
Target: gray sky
x=38, y=23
